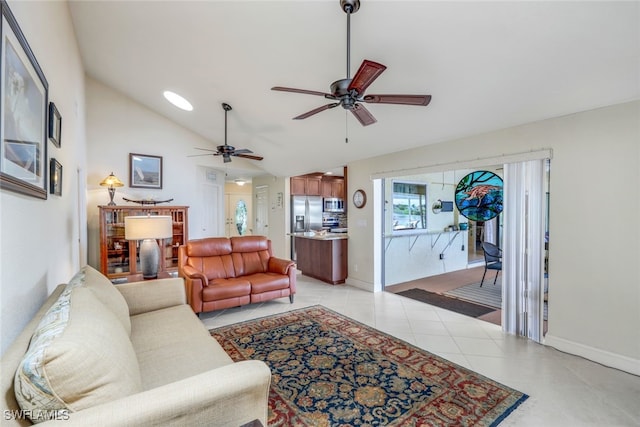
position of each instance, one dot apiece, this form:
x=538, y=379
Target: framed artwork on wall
x=55, y=125
x=23, y=112
x=55, y=177
x=479, y=195
x=145, y=171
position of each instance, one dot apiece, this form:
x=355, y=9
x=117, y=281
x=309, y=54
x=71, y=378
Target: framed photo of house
x=145, y=171
x=55, y=177
x=55, y=125
x=23, y=113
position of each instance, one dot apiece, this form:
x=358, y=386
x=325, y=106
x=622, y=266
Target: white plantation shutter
x=523, y=249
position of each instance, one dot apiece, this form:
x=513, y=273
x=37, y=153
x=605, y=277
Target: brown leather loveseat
x=222, y=272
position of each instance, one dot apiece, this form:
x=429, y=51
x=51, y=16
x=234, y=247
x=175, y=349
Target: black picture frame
x=55, y=125
x=23, y=108
x=55, y=177
x=145, y=171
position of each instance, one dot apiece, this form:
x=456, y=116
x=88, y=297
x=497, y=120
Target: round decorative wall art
x=479, y=196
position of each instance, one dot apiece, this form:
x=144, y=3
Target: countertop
x=416, y=232
x=327, y=236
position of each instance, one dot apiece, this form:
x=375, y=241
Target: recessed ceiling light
x=177, y=100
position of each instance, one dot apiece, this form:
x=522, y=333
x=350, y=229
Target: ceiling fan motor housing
x=340, y=91
x=350, y=6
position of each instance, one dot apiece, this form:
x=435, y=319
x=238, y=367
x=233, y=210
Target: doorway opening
x=238, y=209
x=447, y=258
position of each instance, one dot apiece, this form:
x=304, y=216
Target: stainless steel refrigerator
x=306, y=215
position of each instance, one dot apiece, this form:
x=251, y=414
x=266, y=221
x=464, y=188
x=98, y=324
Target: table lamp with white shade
x=148, y=228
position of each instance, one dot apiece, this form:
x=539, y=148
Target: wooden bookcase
x=119, y=257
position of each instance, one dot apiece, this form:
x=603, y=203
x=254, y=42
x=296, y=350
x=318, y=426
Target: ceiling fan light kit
x=349, y=92
x=226, y=151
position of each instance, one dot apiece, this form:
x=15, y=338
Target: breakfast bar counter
x=321, y=236
x=322, y=256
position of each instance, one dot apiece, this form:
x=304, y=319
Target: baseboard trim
x=603, y=357
x=365, y=286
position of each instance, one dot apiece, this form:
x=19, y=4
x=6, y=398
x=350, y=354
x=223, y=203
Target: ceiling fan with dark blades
x=226, y=151
x=349, y=92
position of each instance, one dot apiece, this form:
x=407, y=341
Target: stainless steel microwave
x=333, y=204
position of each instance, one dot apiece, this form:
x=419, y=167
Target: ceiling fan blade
x=304, y=91
x=248, y=156
x=316, y=111
x=200, y=155
x=205, y=149
x=363, y=115
x=243, y=151
x=366, y=74
x=398, y=99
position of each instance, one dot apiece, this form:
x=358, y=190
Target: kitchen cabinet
x=306, y=185
x=298, y=185
x=333, y=187
x=119, y=257
x=322, y=258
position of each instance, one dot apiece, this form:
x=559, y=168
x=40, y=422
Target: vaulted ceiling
x=488, y=65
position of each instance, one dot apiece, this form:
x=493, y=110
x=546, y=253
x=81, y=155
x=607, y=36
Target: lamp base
x=149, y=258
x=112, y=192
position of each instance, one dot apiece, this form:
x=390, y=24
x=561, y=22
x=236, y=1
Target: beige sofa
x=134, y=354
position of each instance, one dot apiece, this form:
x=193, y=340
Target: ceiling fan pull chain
x=346, y=127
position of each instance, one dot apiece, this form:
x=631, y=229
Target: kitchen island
x=323, y=257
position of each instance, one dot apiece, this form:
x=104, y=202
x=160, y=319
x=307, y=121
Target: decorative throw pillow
x=79, y=356
x=105, y=291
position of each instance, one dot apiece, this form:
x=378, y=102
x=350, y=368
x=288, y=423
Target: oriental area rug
x=330, y=370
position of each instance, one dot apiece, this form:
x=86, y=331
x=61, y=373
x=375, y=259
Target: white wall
x=594, y=291
x=278, y=213
x=117, y=126
x=40, y=240
x=413, y=256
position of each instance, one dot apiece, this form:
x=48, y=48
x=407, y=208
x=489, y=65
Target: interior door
x=262, y=211
x=205, y=215
x=238, y=215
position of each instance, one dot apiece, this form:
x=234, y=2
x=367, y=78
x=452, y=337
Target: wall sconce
x=112, y=182
x=148, y=229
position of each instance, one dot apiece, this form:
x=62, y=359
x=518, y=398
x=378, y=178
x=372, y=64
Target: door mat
x=452, y=304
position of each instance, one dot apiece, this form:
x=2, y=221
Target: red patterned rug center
x=330, y=370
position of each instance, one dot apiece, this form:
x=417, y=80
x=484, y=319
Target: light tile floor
x=564, y=390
